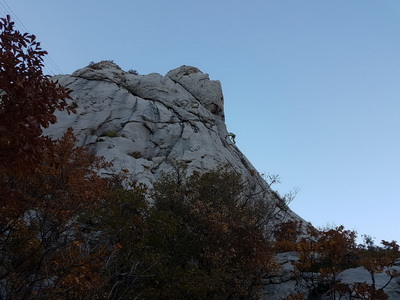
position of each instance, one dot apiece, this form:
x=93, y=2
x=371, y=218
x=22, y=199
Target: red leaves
x=28, y=99
x=45, y=185
x=39, y=222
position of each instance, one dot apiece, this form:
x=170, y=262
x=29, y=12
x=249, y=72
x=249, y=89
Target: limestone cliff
x=143, y=122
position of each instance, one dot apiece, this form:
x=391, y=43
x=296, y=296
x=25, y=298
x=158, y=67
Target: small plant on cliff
x=101, y=64
x=111, y=134
x=73, y=105
x=134, y=72
x=286, y=236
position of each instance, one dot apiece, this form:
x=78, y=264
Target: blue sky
x=311, y=87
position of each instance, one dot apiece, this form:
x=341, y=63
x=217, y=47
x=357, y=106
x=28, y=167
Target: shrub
x=202, y=239
x=111, y=134
x=207, y=230
x=331, y=251
x=40, y=225
x=121, y=219
x=134, y=72
x=100, y=65
x=73, y=105
x=286, y=236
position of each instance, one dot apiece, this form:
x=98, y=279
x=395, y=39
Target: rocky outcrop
x=142, y=123
x=286, y=281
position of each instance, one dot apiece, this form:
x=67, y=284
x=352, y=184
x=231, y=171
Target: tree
x=376, y=260
x=45, y=185
x=207, y=232
x=28, y=99
x=203, y=238
x=121, y=219
x=329, y=252
x=324, y=256
x=45, y=252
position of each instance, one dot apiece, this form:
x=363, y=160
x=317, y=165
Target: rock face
x=143, y=123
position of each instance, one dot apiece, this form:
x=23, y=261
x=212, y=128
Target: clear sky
x=311, y=87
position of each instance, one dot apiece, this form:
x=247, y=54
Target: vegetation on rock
x=324, y=254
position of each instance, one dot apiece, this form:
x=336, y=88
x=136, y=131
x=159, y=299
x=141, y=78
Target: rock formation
x=142, y=123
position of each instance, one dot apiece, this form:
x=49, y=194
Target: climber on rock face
x=232, y=136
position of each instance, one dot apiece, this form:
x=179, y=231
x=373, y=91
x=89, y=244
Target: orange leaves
x=41, y=227
x=365, y=291
x=286, y=235
x=65, y=181
x=331, y=251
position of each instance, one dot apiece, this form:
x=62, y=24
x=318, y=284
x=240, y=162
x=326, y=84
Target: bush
x=202, y=239
x=102, y=64
x=134, y=72
x=286, y=236
x=111, y=134
x=42, y=239
x=331, y=251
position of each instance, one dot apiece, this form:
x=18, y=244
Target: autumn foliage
x=44, y=250
x=28, y=99
x=68, y=233
x=202, y=239
x=45, y=184
x=324, y=254
x=217, y=231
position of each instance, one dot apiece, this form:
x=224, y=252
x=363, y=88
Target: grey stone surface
x=143, y=122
